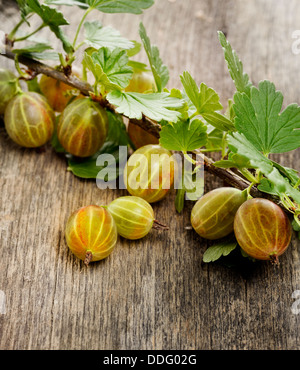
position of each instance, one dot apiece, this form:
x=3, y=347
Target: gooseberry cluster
x=262, y=229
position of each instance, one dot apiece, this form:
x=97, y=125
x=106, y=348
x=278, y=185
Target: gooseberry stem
x=88, y=258
x=30, y=34
x=79, y=27
x=11, y=35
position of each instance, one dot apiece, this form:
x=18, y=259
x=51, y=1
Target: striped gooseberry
x=58, y=93
x=141, y=82
x=140, y=137
x=213, y=214
x=134, y=217
x=82, y=127
x=149, y=173
x=262, y=229
x=91, y=233
x=29, y=119
x=8, y=88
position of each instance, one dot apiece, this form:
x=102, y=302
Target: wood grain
x=155, y=293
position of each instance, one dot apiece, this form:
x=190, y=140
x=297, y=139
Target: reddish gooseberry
x=91, y=233
x=262, y=229
x=140, y=137
x=82, y=127
x=58, y=93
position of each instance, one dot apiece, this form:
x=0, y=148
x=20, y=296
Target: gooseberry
x=140, y=137
x=149, y=173
x=58, y=93
x=82, y=127
x=29, y=119
x=8, y=88
x=134, y=216
x=213, y=214
x=91, y=233
x=262, y=229
x=141, y=82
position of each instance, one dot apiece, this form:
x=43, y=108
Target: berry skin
x=56, y=92
x=91, y=233
x=141, y=82
x=262, y=229
x=82, y=127
x=149, y=173
x=134, y=216
x=8, y=88
x=29, y=120
x=213, y=215
x=140, y=137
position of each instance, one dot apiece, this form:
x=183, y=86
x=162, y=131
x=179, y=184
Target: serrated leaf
x=206, y=102
x=219, y=249
x=279, y=184
x=50, y=16
x=121, y=6
x=159, y=70
x=258, y=117
x=109, y=68
x=36, y=48
x=98, y=36
x=184, y=135
x=235, y=66
x=54, y=19
x=37, y=51
x=157, y=106
x=24, y=10
x=234, y=160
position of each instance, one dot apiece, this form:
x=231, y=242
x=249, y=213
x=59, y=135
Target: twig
x=147, y=124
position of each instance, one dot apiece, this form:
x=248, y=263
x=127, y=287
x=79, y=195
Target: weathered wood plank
x=154, y=293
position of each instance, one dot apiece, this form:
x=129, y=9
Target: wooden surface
x=154, y=293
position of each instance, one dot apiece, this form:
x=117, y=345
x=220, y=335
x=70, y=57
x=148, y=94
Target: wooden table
x=154, y=293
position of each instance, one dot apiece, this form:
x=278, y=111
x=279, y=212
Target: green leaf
x=235, y=66
x=156, y=106
x=135, y=49
x=205, y=99
x=80, y=3
x=33, y=85
x=183, y=135
x=258, y=117
x=279, y=184
x=121, y=6
x=159, y=70
x=234, y=160
x=24, y=10
x=117, y=136
x=37, y=51
x=109, y=68
x=98, y=36
x=219, y=249
x=138, y=66
x=52, y=18
x=206, y=102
